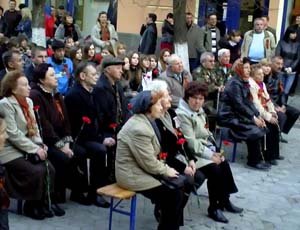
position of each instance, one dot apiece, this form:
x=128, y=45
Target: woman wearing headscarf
x=238, y=113
x=137, y=163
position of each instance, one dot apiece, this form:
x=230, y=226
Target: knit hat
x=141, y=102
x=57, y=44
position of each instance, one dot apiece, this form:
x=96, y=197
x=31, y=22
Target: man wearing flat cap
x=109, y=98
x=63, y=66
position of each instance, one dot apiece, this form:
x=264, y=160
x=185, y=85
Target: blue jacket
x=63, y=72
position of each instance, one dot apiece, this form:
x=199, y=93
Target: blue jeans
x=287, y=80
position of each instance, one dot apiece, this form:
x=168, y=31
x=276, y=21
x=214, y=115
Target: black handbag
x=176, y=182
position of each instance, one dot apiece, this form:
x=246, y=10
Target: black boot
x=79, y=198
x=230, y=207
x=217, y=215
x=58, y=211
x=33, y=209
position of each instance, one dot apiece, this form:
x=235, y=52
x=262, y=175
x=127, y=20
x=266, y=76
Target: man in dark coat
x=12, y=17
x=149, y=35
x=80, y=104
x=287, y=115
x=111, y=103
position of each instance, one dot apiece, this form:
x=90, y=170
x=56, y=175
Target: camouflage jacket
x=220, y=71
x=210, y=77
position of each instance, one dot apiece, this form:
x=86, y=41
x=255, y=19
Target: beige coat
x=192, y=125
x=264, y=112
x=17, y=142
x=136, y=158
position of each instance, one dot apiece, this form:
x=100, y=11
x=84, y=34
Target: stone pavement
x=271, y=200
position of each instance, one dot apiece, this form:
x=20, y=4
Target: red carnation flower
x=226, y=143
x=129, y=106
x=36, y=108
x=181, y=141
x=86, y=120
x=163, y=155
x=113, y=125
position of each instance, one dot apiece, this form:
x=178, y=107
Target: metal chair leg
x=132, y=213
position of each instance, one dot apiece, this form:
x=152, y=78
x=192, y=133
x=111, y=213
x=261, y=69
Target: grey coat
x=96, y=38
x=192, y=125
x=193, y=39
x=17, y=142
x=175, y=86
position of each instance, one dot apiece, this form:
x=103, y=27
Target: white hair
x=156, y=85
x=223, y=51
x=173, y=58
x=205, y=55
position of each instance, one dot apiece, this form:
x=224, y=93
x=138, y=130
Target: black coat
x=79, y=102
x=275, y=89
x=237, y=110
x=55, y=127
x=106, y=103
x=169, y=144
x=148, y=40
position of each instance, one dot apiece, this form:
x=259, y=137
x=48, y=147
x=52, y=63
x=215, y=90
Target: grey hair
x=172, y=59
x=205, y=55
x=223, y=51
x=156, y=85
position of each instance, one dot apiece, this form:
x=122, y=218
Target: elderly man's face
x=177, y=66
x=12, y=5
x=212, y=21
x=114, y=72
x=209, y=63
x=90, y=76
x=224, y=59
x=259, y=26
x=277, y=65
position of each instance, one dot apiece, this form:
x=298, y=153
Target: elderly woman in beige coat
x=25, y=179
x=137, y=159
x=193, y=124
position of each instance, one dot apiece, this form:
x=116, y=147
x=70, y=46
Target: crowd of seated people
x=140, y=119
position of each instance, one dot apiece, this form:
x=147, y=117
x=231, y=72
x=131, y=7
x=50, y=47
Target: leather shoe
x=259, y=166
x=47, y=212
x=99, y=201
x=217, y=215
x=282, y=140
x=58, y=211
x=80, y=198
x=273, y=162
x=33, y=210
x=279, y=158
x=230, y=207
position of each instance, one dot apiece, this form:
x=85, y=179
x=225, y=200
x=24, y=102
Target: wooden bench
x=115, y=192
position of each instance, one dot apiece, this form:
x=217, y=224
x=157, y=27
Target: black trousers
x=288, y=119
x=255, y=149
x=61, y=163
x=171, y=202
x=220, y=183
x=272, y=142
x=99, y=170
